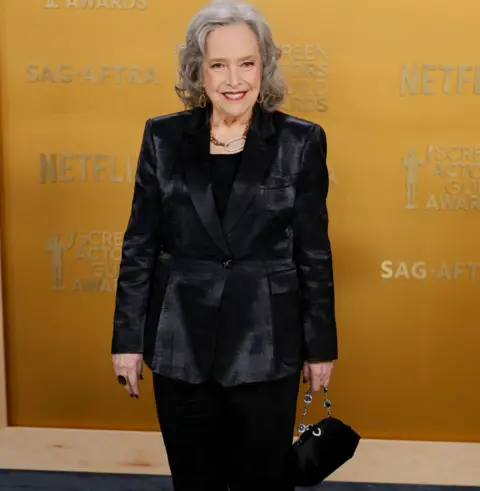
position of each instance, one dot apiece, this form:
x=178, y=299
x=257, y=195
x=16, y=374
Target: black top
x=223, y=169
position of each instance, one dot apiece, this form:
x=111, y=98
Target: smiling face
x=232, y=70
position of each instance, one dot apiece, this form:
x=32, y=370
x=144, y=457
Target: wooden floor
x=132, y=453
x=17, y=480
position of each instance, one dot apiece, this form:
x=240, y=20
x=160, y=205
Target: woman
x=225, y=288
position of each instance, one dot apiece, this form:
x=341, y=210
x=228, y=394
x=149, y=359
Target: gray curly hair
x=221, y=13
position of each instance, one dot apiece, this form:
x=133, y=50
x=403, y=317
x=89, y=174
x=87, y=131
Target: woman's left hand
x=317, y=373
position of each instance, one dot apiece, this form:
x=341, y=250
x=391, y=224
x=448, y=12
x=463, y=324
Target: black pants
x=228, y=438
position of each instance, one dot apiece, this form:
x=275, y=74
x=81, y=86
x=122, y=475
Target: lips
x=234, y=96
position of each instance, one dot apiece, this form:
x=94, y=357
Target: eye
x=217, y=66
x=249, y=64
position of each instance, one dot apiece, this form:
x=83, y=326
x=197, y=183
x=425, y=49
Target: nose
x=232, y=78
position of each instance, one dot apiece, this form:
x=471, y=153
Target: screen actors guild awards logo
x=452, y=182
x=92, y=259
x=306, y=68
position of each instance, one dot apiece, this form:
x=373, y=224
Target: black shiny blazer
x=241, y=300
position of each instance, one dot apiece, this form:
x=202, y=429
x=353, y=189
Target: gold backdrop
x=396, y=86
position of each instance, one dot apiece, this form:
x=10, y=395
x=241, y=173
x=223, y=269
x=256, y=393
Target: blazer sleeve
x=312, y=251
x=141, y=243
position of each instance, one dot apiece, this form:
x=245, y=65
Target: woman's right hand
x=129, y=365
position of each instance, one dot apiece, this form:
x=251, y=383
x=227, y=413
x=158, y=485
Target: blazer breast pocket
x=278, y=192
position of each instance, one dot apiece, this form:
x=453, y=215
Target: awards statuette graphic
x=56, y=248
x=411, y=165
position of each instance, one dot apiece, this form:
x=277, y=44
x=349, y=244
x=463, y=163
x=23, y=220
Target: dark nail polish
x=141, y=377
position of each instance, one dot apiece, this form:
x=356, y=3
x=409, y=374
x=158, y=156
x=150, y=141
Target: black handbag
x=323, y=447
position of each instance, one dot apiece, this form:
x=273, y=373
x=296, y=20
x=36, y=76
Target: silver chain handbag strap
x=307, y=399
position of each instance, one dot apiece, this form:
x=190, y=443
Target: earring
x=202, y=101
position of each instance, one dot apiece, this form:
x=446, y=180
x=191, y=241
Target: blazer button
x=227, y=264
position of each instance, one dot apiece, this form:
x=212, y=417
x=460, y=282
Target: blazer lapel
x=256, y=160
x=195, y=152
